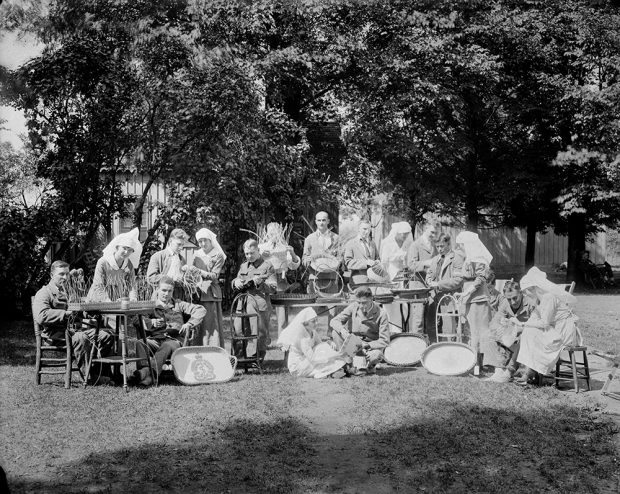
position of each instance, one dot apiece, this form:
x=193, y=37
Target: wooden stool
x=572, y=370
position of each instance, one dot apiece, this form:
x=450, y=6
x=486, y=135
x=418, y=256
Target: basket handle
x=233, y=362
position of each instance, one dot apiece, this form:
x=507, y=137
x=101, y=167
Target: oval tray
x=194, y=365
x=410, y=292
x=405, y=349
x=449, y=359
x=384, y=299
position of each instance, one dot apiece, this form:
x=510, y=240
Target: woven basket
x=292, y=298
x=321, y=264
x=278, y=260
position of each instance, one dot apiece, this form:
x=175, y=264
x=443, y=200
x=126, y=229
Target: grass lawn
x=402, y=430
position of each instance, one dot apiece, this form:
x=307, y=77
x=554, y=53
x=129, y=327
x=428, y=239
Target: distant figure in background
x=209, y=261
x=419, y=256
x=551, y=326
x=256, y=277
x=170, y=262
x=360, y=254
x=475, y=298
x=512, y=306
x=394, y=257
x=323, y=243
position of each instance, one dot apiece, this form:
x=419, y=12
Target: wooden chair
x=54, y=365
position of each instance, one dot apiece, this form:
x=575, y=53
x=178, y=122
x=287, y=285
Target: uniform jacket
x=159, y=265
x=418, y=253
x=373, y=327
x=263, y=270
x=450, y=276
x=357, y=254
x=49, y=309
x=210, y=289
x=175, y=313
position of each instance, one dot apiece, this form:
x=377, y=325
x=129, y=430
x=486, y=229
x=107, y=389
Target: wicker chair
x=54, y=365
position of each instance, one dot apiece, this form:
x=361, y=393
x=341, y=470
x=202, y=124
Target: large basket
x=292, y=298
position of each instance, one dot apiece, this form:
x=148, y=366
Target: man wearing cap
x=360, y=254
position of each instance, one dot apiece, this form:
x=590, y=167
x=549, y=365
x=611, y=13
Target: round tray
x=292, y=298
x=385, y=299
x=449, y=359
x=405, y=349
x=329, y=300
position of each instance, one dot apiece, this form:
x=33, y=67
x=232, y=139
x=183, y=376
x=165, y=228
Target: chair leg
x=69, y=362
x=574, y=366
x=586, y=369
x=557, y=373
x=37, y=365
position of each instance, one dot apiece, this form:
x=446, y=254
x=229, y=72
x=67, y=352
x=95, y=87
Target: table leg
x=142, y=335
x=122, y=337
x=92, y=350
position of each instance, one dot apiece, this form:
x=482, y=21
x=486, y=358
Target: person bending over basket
x=256, y=277
x=308, y=355
x=512, y=306
x=166, y=327
x=370, y=322
x=551, y=326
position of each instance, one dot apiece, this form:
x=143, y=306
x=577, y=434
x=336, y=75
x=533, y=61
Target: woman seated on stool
x=308, y=356
x=549, y=329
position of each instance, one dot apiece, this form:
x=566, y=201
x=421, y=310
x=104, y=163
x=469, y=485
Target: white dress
x=309, y=357
x=550, y=328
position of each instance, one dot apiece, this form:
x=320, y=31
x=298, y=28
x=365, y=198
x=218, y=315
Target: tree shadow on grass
x=469, y=449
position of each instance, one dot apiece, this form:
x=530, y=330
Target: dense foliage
x=497, y=113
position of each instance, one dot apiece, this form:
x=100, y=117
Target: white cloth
x=209, y=235
x=475, y=251
x=130, y=239
x=308, y=357
x=550, y=328
x=535, y=278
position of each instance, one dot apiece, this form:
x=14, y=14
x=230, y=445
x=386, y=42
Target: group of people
x=528, y=323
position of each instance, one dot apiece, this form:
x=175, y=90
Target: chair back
x=37, y=327
x=569, y=287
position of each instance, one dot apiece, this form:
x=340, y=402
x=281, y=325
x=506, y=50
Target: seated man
x=50, y=311
x=512, y=304
x=256, y=277
x=166, y=327
x=368, y=321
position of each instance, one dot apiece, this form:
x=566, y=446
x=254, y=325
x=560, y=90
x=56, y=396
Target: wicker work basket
x=292, y=298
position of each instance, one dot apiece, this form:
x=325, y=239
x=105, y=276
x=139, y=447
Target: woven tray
x=95, y=306
x=292, y=298
x=410, y=292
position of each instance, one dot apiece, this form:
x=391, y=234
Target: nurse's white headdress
x=129, y=239
x=475, y=251
x=535, y=278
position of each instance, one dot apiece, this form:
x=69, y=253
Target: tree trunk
x=576, y=245
x=140, y=203
x=530, y=245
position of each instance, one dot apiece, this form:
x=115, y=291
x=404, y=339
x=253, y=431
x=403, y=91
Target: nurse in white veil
x=551, y=326
x=308, y=355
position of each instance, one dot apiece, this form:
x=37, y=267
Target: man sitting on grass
x=50, y=311
x=166, y=327
x=368, y=321
x=512, y=304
